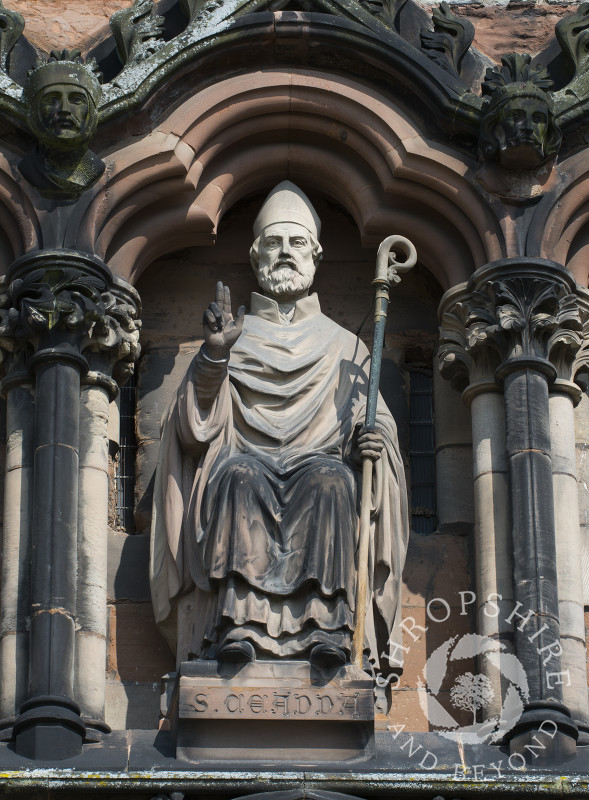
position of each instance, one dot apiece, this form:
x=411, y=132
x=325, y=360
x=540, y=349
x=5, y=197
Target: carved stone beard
x=278, y=279
x=516, y=153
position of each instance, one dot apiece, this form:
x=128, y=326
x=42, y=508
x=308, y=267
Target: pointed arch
x=20, y=229
x=560, y=228
x=333, y=135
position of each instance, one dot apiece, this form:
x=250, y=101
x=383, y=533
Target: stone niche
x=175, y=291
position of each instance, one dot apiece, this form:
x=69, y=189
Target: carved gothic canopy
x=516, y=122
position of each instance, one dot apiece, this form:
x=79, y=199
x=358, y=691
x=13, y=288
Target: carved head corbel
x=62, y=97
x=518, y=128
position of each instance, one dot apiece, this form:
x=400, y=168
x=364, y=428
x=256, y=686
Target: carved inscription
x=327, y=703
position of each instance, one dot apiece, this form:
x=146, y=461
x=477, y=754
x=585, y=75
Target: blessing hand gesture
x=221, y=328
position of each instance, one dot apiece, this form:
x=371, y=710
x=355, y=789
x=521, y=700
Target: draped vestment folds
x=256, y=500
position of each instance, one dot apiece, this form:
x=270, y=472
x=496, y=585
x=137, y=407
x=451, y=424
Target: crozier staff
x=257, y=489
x=385, y=275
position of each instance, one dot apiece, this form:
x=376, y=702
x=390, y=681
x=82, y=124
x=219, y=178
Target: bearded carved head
x=286, y=250
x=518, y=128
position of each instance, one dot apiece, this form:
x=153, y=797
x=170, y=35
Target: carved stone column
x=473, y=373
x=58, y=302
x=564, y=396
x=524, y=316
x=16, y=546
x=111, y=351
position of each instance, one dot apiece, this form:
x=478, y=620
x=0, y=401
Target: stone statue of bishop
x=257, y=492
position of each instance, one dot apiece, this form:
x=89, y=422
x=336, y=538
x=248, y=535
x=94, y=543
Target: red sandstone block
x=136, y=649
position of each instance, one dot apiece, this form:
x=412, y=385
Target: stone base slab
x=285, y=711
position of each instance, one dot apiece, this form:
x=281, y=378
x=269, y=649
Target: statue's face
x=522, y=132
x=63, y=113
x=286, y=266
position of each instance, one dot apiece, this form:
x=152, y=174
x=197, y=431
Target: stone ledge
x=138, y=762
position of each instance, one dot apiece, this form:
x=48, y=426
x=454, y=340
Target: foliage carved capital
x=65, y=305
x=112, y=345
x=514, y=314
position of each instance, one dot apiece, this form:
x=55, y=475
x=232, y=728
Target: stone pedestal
x=283, y=711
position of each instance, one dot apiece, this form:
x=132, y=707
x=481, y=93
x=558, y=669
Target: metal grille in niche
x=422, y=456
x=125, y=465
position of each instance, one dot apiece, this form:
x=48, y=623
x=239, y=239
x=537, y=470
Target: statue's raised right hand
x=221, y=329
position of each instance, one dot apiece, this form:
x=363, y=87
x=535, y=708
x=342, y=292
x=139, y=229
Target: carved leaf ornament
x=524, y=315
x=137, y=31
x=573, y=36
x=510, y=319
x=456, y=363
x=450, y=40
x=117, y=334
x=12, y=25
x=44, y=299
x=388, y=11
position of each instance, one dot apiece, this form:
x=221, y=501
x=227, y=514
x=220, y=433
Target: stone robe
x=256, y=501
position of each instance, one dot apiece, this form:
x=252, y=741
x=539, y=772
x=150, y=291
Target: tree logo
x=499, y=691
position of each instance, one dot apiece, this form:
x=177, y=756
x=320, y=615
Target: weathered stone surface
x=488, y=420
x=283, y=710
x=437, y=569
x=582, y=468
x=62, y=23
x=437, y=566
x=493, y=537
x=502, y=27
x=453, y=418
x=16, y=549
x=128, y=567
x=136, y=649
x=132, y=704
x=89, y=661
x=454, y=491
x=272, y=691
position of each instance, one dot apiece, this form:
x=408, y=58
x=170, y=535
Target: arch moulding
x=242, y=135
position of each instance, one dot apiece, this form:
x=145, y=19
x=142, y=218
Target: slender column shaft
x=492, y=530
x=65, y=303
x=49, y=724
x=92, y=556
x=568, y=557
x=15, y=581
x=536, y=613
x=532, y=521
x=521, y=321
x=54, y=551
